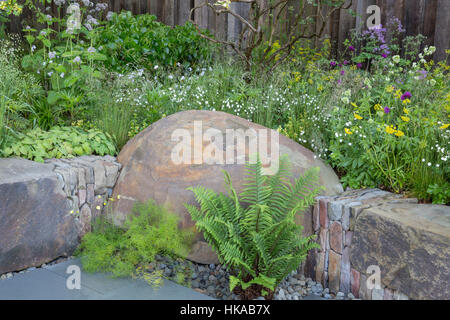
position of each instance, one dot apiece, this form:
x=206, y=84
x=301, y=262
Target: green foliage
x=17, y=88
x=440, y=194
x=115, y=119
x=3, y=132
x=59, y=142
x=139, y=41
x=127, y=251
x=254, y=233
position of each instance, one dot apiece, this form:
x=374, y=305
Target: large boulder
x=151, y=169
x=35, y=221
x=411, y=245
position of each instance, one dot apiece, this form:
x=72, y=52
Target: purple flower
x=342, y=72
x=339, y=81
x=333, y=63
x=359, y=65
x=351, y=48
x=346, y=62
x=423, y=74
x=406, y=95
x=340, y=65
x=384, y=55
x=387, y=110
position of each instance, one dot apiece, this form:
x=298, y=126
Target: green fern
x=254, y=234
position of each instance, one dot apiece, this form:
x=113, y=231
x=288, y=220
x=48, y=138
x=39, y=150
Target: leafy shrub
x=260, y=242
x=440, y=194
x=127, y=251
x=141, y=41
x=17, y=88
x=60, y=142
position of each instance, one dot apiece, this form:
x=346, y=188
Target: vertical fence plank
x=221, y=26
x=211, y=19
x=346, y=22
x=234, y=26
x=334, y=32
x=169, y=12
x=201, y=14
x=442, y=36
x=184, y=11
x=429, y=21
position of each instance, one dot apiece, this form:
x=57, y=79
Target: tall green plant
x=254, y=233
x=115, y=119
x=2, y=125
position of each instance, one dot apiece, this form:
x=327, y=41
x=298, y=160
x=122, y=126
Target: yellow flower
x=406, y=119
x=357, y=116
x=354, y=104
x=405, y=110
x=399, y=133
x=347, y=131
x=378, y=107
x=445, y=126
x=389, y=89
x=320, y=88
x=390, y=129
x=406, y=101
x=398, y=93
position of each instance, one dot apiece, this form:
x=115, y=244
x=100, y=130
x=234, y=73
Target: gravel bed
x=212, y=280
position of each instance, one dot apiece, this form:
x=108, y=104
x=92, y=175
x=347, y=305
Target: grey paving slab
x=50, y=284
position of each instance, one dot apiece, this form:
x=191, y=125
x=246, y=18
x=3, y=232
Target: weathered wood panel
x=428, y=17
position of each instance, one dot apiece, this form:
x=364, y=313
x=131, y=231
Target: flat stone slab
x=36, y=225
x=49, y=283
x=411, y=245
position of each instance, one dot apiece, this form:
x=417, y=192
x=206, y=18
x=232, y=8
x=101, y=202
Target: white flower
x=156, y=67
x=59, y=2
x=396, y=58
x=91, y=50
x=33, y=47
x=52, y=54
x=62, y=75
x=77, y=59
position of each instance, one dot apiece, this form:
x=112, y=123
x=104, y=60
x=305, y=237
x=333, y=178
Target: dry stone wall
x=362, y=231
x=88, y=182
x=45, y=208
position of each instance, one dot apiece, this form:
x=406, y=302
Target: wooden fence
x=428, y=17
